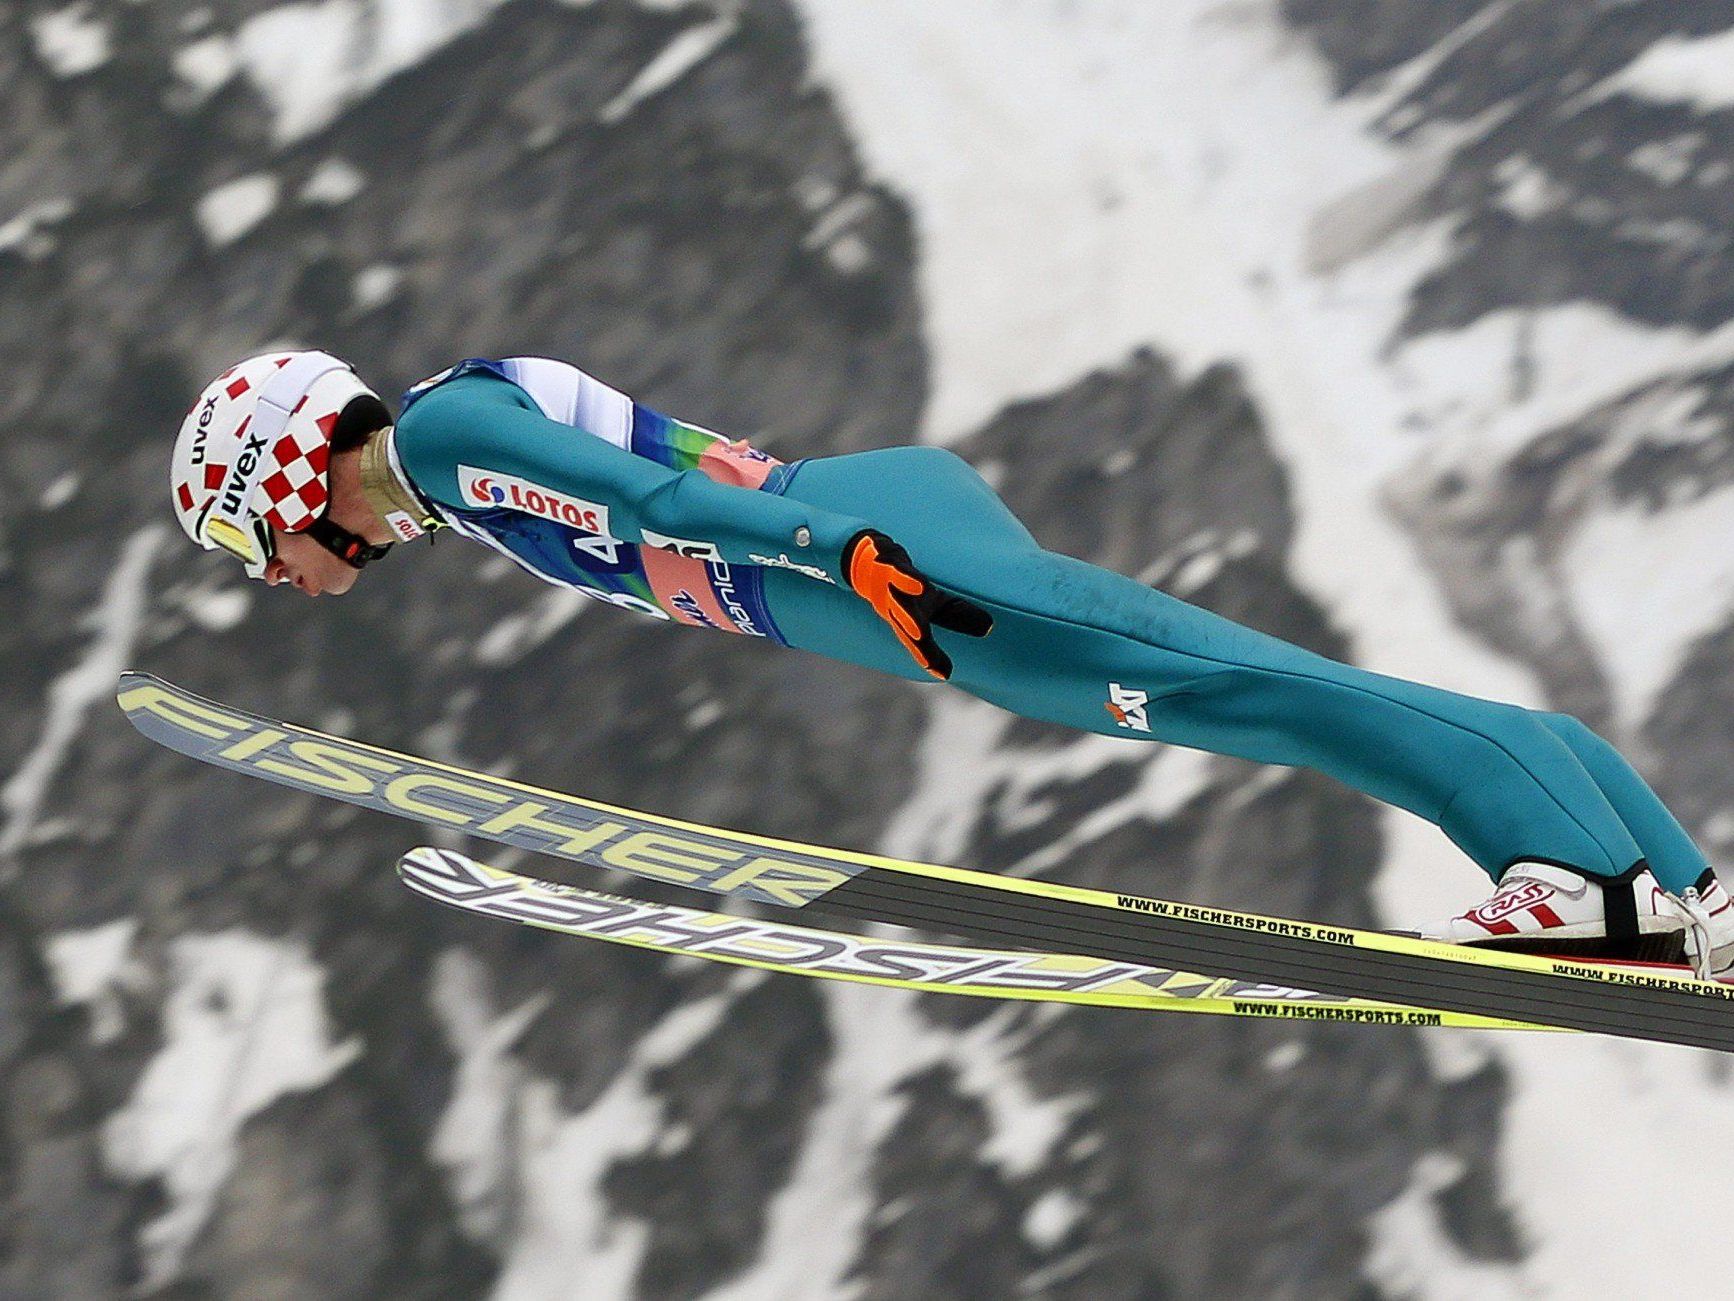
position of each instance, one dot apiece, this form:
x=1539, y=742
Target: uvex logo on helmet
x=245, y=464
x=207, y=409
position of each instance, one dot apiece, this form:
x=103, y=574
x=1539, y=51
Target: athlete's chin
x=307, y=585
x=330, y=584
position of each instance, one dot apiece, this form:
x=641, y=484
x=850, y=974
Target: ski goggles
x=252, y=545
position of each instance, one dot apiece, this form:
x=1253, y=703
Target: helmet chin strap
x=351, y=548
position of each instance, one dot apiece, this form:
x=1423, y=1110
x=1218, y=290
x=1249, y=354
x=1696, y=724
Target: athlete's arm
x=480, y=423
x=479, y=430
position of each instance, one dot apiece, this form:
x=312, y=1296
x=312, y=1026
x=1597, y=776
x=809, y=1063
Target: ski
x=1654, y=1004
x=460, y=882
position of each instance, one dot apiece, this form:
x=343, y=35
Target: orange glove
x=881, y=574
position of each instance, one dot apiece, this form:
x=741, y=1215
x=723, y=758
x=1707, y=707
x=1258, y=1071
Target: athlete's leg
x=1502, y=784
x=1675, y=860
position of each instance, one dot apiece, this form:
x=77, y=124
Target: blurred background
x=1398, y=329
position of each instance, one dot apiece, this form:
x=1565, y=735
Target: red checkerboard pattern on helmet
x=297, y=489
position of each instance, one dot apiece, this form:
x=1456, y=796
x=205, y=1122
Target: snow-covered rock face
x=1396, y=330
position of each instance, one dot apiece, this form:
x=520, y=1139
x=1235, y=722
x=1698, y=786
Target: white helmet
x=255, y=451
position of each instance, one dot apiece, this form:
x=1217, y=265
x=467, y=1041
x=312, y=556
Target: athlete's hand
x=881, y=573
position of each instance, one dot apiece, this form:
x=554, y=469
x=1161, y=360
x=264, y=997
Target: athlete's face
x=304, y=563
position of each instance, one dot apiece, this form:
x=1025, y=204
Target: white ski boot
x=1539, y=908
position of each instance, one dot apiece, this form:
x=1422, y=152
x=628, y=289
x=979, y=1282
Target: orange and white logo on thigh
x=1127, y=705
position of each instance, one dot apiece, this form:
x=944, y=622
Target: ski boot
x=1542, y=909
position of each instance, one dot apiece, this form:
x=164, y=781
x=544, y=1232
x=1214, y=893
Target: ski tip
x=133, y=686
x=130, y=678
x=423, y=858
x=130, y=691
x=445, y=874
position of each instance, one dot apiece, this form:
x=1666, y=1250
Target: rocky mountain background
x=1398, y=330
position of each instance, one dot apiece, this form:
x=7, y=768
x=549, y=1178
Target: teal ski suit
x=588, y=489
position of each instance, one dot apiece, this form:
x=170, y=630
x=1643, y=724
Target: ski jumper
x=588, y=489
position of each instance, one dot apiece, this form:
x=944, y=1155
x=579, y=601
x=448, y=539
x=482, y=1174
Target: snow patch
x=1667, y=162
x=88, y=968
x=1055, y=172
x=477, y=1140
x=1285, y=1057
x=703, y=714
x=71, y=41
x=232, y=209
x=1493, y=387
x=1669, y=573
x=333, y=183
x=206, y=66
x=117, y=622
x=685, y=52
x=1671, y=415
x=1527, y=192
x=1025, y=1129
x=1052, y=1216
x=26, y=233
x=563, y=1229
x=311, y=61
x=1201, y=560
x=375, y=286
x=816, y=1222
x=1411, y=1255
x=833, y=232
x=1679, y=70
x=60, y=490
x=244, y=1024
x=515, y=636
x=565, y=1232
x=218, y=608
x=1658, y=1093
